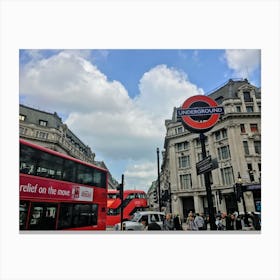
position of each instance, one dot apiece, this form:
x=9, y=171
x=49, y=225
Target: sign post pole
x=199, y=114
x=120, y=189
x=208, y=186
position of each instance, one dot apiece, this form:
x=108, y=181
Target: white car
x=135, y=222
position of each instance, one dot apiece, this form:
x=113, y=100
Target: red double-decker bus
x=58, y=192
x=133, y=200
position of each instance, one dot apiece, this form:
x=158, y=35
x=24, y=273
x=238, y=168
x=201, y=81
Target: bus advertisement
x=58, y=192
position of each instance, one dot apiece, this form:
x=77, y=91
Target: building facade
x=48, y=130
x=235, y=141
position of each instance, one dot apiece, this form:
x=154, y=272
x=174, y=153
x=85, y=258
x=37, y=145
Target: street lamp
x=159, y=200
x=240, y=193
x=170, y=197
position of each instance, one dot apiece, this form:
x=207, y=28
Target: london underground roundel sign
x=199, y=113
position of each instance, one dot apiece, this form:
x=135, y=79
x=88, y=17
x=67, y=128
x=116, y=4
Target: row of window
x=226, y=173
x=219, y=135
x=223, y=152
x=40, y=122
x=43, y=216
x=44, y=136
x=185, y=162
x=38, y=134
x=253, y=128
x=39, y=163
x=246, y=95
x=249, y=109
x=257, y=147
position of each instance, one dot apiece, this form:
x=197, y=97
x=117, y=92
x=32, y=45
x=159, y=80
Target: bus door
x=43, y=216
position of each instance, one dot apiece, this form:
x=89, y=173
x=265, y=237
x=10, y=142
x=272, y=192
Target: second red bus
x=133, y=200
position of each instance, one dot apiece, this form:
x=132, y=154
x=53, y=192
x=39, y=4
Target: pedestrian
x=192, y=225
x=144, y=222
x=224, y=220
x=177, y=222
x=256, y=221
x=238, y=223
x=207, y=222
x=228, y=221
x=199, y=221
x=168, y=223
x=219, y=223
x=250, y=222
x=189, y=219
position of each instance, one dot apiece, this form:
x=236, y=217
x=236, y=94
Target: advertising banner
x=31, y=187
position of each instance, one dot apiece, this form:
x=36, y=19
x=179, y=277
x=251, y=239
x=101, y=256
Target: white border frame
x=139, y=24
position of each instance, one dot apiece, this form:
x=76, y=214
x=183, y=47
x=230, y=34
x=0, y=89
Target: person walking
x=238, y=223
x=177, y=222
x=168, y=223
x=224, y=220
x=219, y=223
x=191, y=224
x=188, y=220
x=199, y=221
x=256, y=221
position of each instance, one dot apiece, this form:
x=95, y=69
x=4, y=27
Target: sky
x=117, y=100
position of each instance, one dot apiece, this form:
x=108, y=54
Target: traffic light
x=238, y=189
x=155, y=197
x=120, y=189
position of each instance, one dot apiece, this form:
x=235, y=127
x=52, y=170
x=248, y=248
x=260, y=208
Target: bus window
x=112, y=196
x=85, y=175
x=23, y=208
x=42, y=216
x=69, y=171
x=27, y=160
x=49, y=166
x=65, y=215
x=94, y=214
x=99, y=178
x=85, y=215
x=131, y=196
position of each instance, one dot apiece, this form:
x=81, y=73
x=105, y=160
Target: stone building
x=48, y=130
x=235, y=141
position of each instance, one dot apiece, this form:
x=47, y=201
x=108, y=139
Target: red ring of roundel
x=196, y=124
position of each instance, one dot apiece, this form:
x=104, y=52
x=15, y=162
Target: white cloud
x=139, y=174
x=101, y=112
x=66, y=82
x=243, y=62
x=163, y=88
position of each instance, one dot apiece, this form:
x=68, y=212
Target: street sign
x=199, y=113
x=206, y=165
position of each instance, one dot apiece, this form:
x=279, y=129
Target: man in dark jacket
x=177, y=223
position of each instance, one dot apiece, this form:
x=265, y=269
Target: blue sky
x=116, y=101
